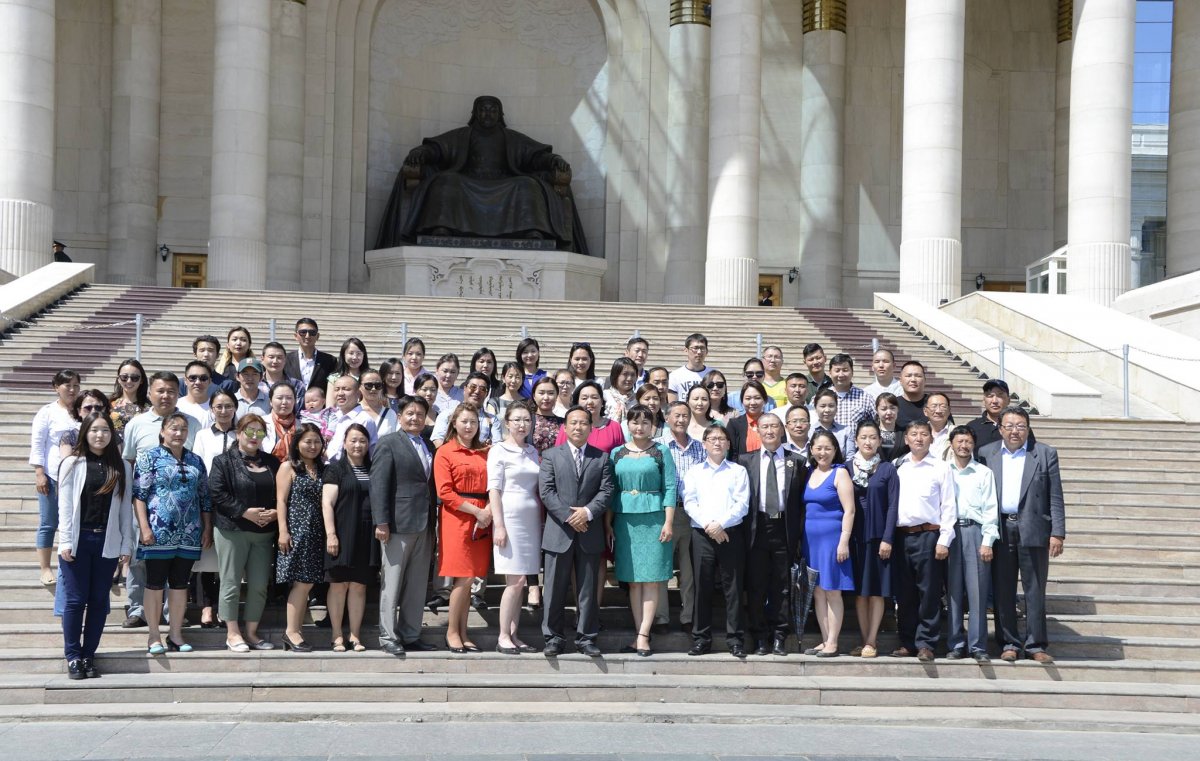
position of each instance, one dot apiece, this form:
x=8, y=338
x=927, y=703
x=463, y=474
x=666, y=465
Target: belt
x=1009, y=517
x=473, y=495
x=919, y=528
x=968, y=522
x=776, y=517
x=92, y=529
x=635, y=492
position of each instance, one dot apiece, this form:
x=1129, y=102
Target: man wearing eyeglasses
x=308, y=363
x=1033, y=527
x=692, y=371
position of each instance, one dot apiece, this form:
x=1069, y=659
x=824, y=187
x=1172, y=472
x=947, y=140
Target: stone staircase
x=1123, y=598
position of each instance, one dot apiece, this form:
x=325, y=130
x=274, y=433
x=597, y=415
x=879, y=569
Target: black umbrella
x=804, y=585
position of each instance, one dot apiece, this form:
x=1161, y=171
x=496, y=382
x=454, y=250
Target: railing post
x=272, y=330
x=637, y=333
x=137, y=338
x=874, y=346
x=524, y=332
x=1125, y=376
x=758, y=345
x=1002, y=360
x=403, y=333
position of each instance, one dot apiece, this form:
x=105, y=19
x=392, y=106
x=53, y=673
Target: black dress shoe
x=590, y=650
x=527, y=648
x=736, y=650
x=133, y=622
x=779, y=647
x=299, y=647
x=435, y=602
x=420, y=646
x=75, y=669
x=700, y=648
x=89, y=668
x=552, y=649
x=391, y=648
x=762, y=648
x=981, y=657
x=954, y=655
x=478, y=603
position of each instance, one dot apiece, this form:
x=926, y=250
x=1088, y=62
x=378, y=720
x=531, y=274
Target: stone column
x=133, y=142
x=822, y=120
x=26, y=134
x=237, y=242
x=1100, y=171
x=731, y=268
x=285, y=148
x=931, y=207
x=1183, y=158
x=1062, y=119
x=687, y=151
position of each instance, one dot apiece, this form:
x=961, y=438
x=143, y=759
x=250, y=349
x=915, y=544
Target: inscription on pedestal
x=515, y=244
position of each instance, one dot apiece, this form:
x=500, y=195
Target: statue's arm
x=427, y=152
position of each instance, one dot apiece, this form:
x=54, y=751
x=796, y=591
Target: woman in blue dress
x=174, y=515
x=828, y=522
x=639, y=521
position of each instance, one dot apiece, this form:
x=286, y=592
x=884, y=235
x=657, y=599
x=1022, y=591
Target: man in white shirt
x=716, y=499
x=197, y=379
x=691, y=372
x=345, y=411
x=883, y=367
x=969, y=569
x=925, y=523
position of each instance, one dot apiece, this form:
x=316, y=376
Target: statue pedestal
x=485, y=273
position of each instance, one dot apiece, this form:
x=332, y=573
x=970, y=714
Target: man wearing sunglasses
x=308, y=363
x=198, y=390
x=206, y=349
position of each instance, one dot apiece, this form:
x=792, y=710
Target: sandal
x=339, y=646
x=356, y=646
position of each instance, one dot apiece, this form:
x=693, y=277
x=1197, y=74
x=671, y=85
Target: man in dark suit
x=774, y=529
x=576, y=484
x=308, y=363
x=402, y=501
x=1033, y=527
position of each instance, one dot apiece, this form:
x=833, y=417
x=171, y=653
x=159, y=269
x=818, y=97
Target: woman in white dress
x=516, y=519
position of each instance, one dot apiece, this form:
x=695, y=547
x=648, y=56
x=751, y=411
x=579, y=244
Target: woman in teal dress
x=639, y=522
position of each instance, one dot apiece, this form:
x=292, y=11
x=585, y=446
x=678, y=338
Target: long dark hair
x=586, y=348
x=344, y=369
x=493, y=381
x=114, y=466
x=723, y=406
x=294, y=450
x=143, y=397
x=838, y=457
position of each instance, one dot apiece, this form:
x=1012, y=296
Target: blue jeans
x=87, y=581
x=47, y=516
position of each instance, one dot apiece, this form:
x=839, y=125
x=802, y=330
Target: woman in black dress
x=352, y=555
x=876, y=493
x=301, y=531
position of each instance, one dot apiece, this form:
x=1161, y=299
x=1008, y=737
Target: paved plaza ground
x=566, y=741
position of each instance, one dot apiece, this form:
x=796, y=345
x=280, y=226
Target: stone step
x=186, y=688
x=49, y=661
x=1047, y=718
x=1069, y=565
x=1067, y=582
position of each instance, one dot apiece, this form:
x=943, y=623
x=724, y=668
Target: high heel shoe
x=459, y=650
x=299, y=647
x=178, y=647
x=646, y=653
x=356, y=646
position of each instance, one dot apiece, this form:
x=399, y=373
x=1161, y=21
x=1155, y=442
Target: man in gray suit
x=1033, y=526
x=576, y=484
x=402, y=500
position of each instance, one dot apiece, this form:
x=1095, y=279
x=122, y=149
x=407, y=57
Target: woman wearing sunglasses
x=718, y=396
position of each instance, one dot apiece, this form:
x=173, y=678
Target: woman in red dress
x=465, y=536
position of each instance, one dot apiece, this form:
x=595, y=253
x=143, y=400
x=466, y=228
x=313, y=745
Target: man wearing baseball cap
x=250, y=397
x=986, y=427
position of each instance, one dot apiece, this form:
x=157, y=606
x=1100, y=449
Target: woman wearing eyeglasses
x=174, y=515
x=243, y=496
x=375, y=404
x=581, y=360
x=564, y=381
x=718, y=396
x=130, y=396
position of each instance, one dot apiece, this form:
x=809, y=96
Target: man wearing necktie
x=576, y=484
x=1033, y=526
x=775, y=529
x=402, y=502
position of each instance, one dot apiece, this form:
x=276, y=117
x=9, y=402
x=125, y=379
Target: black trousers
x=1033, y=564
x=730, y=556
x=918, y=583
x=767, y=580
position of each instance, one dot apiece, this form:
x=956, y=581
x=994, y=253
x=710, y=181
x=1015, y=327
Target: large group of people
x=300, y=469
